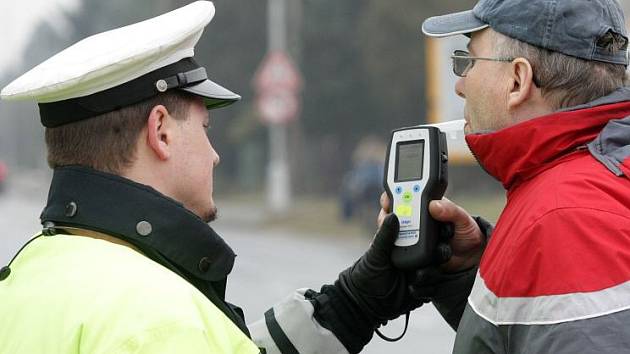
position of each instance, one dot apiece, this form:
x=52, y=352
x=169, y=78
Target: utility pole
x=278, y=175
x=277, y=83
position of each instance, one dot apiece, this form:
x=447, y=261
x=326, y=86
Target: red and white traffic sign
x=277, y=83
x=278, y=106
x=277, y=71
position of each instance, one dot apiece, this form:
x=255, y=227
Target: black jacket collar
x=125, y=209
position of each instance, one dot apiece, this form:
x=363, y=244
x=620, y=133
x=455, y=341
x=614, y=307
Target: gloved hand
x=467, y=241
x=449, y=282
x=379, y=289
x=367, y=294
x=373, y=291
x=460, y=246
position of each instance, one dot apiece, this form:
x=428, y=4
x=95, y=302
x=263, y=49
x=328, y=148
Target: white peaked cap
x=144, y=59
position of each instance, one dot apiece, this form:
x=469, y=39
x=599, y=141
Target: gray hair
x=565, y=81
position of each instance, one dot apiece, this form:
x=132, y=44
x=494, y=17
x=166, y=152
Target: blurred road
x=271, y=263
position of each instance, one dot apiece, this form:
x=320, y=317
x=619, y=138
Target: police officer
x=126, y=262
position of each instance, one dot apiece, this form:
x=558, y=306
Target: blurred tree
x=337, y=107
x=393, y=52
x=21, y=123
x=364, y=67
x=231, y=49
x=92, y=17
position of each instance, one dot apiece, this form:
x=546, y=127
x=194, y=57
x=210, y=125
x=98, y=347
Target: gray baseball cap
x=586, y=29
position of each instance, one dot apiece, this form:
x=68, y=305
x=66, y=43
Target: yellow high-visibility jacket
x=102, y=297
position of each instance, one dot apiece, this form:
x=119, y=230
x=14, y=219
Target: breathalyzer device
x=415, y=173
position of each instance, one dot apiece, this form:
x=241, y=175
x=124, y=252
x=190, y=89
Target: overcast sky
x=19, y=18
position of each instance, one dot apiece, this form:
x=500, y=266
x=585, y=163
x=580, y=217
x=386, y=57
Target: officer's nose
x=216, y=159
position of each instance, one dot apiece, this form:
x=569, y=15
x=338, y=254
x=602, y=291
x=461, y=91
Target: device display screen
x=409, y=161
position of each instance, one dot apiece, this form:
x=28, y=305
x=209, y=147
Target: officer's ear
x=521, y=83
x=159, y=132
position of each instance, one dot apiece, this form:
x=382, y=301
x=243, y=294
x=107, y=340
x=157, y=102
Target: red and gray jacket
x=555, y=276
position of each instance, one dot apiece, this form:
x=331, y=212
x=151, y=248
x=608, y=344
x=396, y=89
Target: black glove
x=447, y=291
x=379, y=289
x=428, y=282
x=422, y=282
x=371, y=292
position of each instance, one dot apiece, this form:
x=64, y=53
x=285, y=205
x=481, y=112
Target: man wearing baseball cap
x=125, y=261
x=547, y=114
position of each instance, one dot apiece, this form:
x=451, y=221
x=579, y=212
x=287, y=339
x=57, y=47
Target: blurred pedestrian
x=363, y=183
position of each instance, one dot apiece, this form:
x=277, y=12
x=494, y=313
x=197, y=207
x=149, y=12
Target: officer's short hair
x=108, y=142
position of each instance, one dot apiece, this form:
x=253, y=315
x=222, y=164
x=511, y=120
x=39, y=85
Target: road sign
x=277, y=106
x=277, y=84
x=277, y=71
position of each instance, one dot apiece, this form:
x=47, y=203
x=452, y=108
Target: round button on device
x=398, y=190
x=416, y=188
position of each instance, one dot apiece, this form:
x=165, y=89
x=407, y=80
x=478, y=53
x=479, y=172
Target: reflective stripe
x=278, y=335
x=599, y=335
x=262, y=338
x=294, y=315
x=550, y=309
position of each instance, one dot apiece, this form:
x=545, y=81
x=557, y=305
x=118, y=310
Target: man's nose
x=459, y=88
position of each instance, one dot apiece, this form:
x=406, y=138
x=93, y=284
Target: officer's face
x=196, y=159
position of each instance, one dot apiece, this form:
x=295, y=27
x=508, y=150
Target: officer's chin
x=211, y=215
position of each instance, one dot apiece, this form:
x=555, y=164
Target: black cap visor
x=215, y=95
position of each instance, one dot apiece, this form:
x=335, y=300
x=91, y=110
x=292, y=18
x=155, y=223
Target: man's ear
x=159, y=132
x=522, y=83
